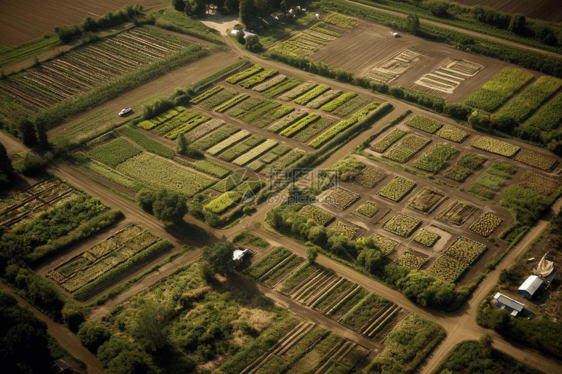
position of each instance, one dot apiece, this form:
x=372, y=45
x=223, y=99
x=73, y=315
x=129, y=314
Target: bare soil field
x=21, y=22
x=548, y=10
x=370, y=50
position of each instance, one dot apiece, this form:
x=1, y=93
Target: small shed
x=239, y=255
x=396, y=35
x=530, y=287
x=246, y=33
x=507, y=303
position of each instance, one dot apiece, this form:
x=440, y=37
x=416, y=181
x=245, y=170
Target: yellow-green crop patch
x=385, y=244
x=223, y=202
x=397, y=188
x=446, y=268
x=159, y=173
x=426, y=238
x=319, y=216
x=368, y=209
x=496, y=146
x=402, y=225
x=411, y=261
x=465, y=250
x=486, y=224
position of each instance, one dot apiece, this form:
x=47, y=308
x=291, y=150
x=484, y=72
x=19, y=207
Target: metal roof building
x=530, y=286
x=507, y=303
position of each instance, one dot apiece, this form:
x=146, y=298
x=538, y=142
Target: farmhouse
x=507, y=303
x=530, y=287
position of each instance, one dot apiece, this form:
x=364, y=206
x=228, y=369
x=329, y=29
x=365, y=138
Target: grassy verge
x=11, y=55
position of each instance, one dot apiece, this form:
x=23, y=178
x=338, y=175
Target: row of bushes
x=68, y=33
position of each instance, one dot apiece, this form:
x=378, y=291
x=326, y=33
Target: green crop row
x=521, y=107
x=310, y=95
x=293, y=129
x=241, y=148
x=152, y=123
x=147, y=143
x=281, y=88
x=497, y=91
x=207, y=167
x=115, y=152
x=434, y=159
x=223, y=202
x=339, y=101
x=232, y=102
x=107, y=172
x=383, y=144
x=176, y=121
x=210, y=92
x=258, y=78
x=219, y=98
x=259, y=111
x=287, y=121
x=244, y=74
x=255, y=152
x=187, y=127
x=549, y=116
x=218, y=148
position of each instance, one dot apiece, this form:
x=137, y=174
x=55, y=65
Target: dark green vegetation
x=540, y=333
x=471, y=357
x=245, y=237
x=21, y=333
x=417, y=286
x=407, y=346
x=166, y=206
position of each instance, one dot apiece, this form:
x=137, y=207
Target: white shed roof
x=246, y=33
x=513, y=304
x=239, y=254
x=531, y=285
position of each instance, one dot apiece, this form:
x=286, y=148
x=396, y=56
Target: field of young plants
x=397, y=188
x=320, y=216
x=82, y=70
x=126, y=250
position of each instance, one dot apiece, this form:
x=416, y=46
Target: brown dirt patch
x=548, y=10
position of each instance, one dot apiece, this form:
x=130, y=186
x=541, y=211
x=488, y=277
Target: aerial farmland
x=251, y=187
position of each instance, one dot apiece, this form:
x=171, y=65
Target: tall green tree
x=248, y=11
x=413, y=24
x=220, y=257
x=42, y=138
x=517, y=24
x=27, y=131
x=182, y=144
x=178, y=5
x=6, y=166
x=169, y=206
x=93, y=334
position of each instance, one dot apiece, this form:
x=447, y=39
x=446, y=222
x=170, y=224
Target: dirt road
x=464, y=31
x=64, y=336
x=12, y=144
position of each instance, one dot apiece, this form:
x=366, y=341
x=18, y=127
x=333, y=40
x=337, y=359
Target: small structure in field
x=239, y=255
x=507, y=303
x=396, y=35
x=530, y=287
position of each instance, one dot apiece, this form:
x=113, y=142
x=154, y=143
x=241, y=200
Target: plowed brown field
x=549, y=10
x=22, y=21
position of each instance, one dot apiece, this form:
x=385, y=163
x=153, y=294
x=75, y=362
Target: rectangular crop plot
x=331, y=297
x=407, y=147
x=347, y=303
x=433, y=160
x=223, y=202
x=497, y=91
x=452, y=133
x=427, y=200
x=319, y=216
x=536, y=160
x=345, y=230
x=411, y=261
x=457, y=173
x=370, y=177
x=402, y=225
x=539, y=183
x=446, y=268
x=425, y=124
x=368, y=209
x=471, y=161
x=383, y=144
x=397, y=188
x=357, y=318
x=267, y=262
x=341, y=198
x=115, y=152
x=426, y=238
x=465, y=250
x=457, y=212
x=284, y=268
x=160, y=173
x=486, y=224
x=385, y=244
x=494, y=146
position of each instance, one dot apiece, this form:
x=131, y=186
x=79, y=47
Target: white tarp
x=544, y=267
x=246, y=33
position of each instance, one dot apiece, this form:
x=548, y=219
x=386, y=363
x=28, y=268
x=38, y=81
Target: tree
x=73, y=315
x=438, y=8
x=206, y=273
x=144, y=199
x=220, y=257
x=151, y=327
x=182, y=144
x=413, y=24
x=27, y=131
x=371, y=258
x=169, y=206
x=89, y=24
x=178, y=5
x=311, y=254
x=500, y=320
x=486, y=342
x=517, y=24
x=240, y=37
x=253, y=43
x=93, y=334
x=248, y=11
x=42, y=138
x=6, y=166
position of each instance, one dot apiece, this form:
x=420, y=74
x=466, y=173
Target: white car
x=125, y=111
